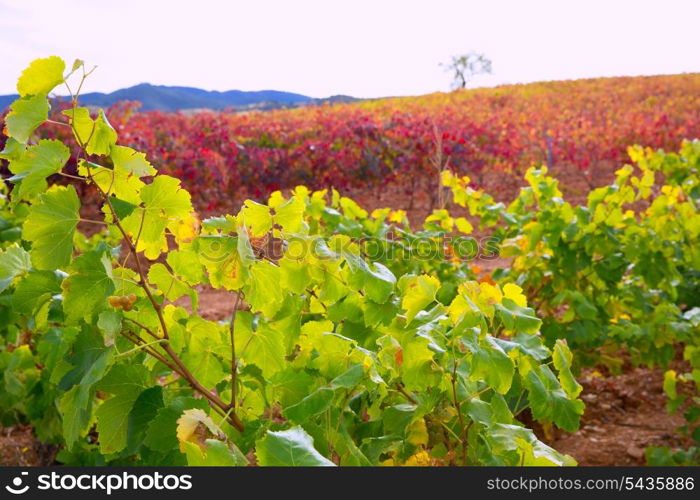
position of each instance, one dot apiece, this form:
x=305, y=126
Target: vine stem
x=411, y=399
x=139, y=347
x=135, y=339
x=89, y=221
x=54, y=122
x=234, y=361
x=459, y=413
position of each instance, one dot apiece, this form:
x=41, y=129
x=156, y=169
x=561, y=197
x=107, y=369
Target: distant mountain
x=6, y=100
x=165, y=98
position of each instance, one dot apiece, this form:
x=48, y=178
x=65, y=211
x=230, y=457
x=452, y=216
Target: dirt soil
x=19, y=447
x=624, y=414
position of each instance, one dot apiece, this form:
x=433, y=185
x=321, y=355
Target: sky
x=364, y=48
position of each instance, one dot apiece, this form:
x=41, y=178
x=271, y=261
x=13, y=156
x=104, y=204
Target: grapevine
x=353, y=338
x=329, y=358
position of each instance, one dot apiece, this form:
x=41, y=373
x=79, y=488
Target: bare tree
x=466, y=67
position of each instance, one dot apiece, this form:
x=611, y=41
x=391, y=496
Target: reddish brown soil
x=19, y=447
x=624, y=415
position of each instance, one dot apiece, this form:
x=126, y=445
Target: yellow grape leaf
x=418, y=292
x=515, y=293
x=418, y=433
x=256, y=217
x=463, y=225
x=190, y=421
x=41, y=76
x=420, y=459
x=186, y=228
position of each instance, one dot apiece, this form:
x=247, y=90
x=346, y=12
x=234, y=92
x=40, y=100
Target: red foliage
x=226, y=157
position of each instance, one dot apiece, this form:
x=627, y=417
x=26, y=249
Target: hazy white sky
x=360, y=47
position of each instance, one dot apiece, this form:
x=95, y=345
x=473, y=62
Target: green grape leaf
x=13, y=150
x=507, y=437
x=291, y=385
x=517, y=318
x=161, y=433
x=561, y=356
x=122, y=208
x=131, y=161
x=219, y=256
x=165, y=195
x=263, y=347
x=532, y=345
x=50, y=227
x=293, y=447
x=14, y=261
x=491, y=364
x=88, y=285
x=113, y=181
x=90, y=365
x=20, y=372
x=53, y=349
x=25, y=115
x=185, y=263
x=113, y=422
x=379, y=283
x=164, y=201
x=417, y=366
x=376, y=314
x=90, y=360
x=34, y=292
x=75, y=418
x=215, y=454
x=96, y=136
x=41, y=76
x=145, y=409
x=224, y=224
x=294, y=275
x=126, y=382
x=349, y=378
x=397, y=418
x=315, y=403
x=332, y=288
x=172, y=287
x=549, y=402
x=148, y=228
x=264, y=292
x=375, y=279
x=110, y=322
x=205, y=366
x=36, y=164
x=417, y=292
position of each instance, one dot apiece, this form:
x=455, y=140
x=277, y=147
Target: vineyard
x=355, y=336
x=581, y=130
